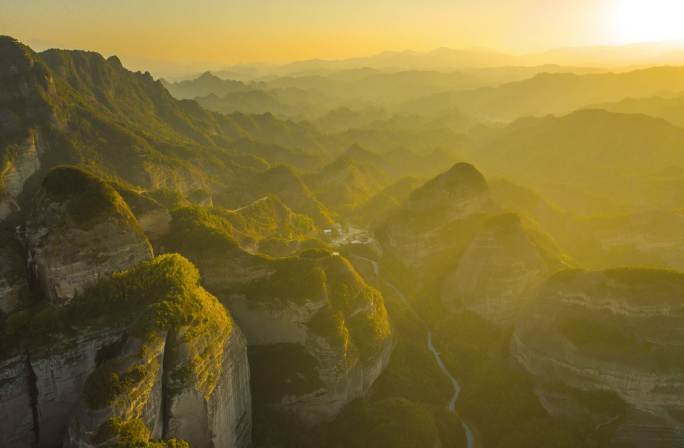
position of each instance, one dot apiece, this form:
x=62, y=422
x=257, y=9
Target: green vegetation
x=282, y=370
x=345, y=184
x=281, y=182
x=498, y=398
x=131, y=434
x=376, y=209
x=269, y=218
x=584, y=332
x=606, y=186
x=161, y=293
x=316, y=275
x=393, y=422
x=650, y=286
x=89, y=199
x=149, y=299
x=104, y=385
x=196, y=229
x=295, y=279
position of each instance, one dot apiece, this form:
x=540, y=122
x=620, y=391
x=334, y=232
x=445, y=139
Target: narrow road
x=470, y=439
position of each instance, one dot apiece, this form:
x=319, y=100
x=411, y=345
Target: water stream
x=470, y=439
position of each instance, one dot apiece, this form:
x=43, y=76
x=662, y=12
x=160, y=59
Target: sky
x=223, y=32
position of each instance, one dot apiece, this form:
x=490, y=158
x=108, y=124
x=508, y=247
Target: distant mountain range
x=606, y=56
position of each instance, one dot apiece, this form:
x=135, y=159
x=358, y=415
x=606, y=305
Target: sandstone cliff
x=319, y=336
x=453, y=244
x=437, y=217
x=500, y=269
x=80, y=230
x=115, y=345
x=618, y=331
x=146, y=347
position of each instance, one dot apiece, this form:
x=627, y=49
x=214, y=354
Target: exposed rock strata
x=80, y=230
x=619, y=331
x=311, y=318
x=500, y=269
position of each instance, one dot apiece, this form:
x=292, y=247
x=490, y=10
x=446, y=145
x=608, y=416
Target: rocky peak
x=462, y=184
x=25, y=85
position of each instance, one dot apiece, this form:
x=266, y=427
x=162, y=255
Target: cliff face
x=318, y=335
x=499, y=270
x=216, y=410
x=17, y=424
x=14, y=286
x=137, y=393
x=22, y=160
x=437, y=216
x=80, y=230
x=174, y=361
x=316, y=323
x=120, y=343
x=454, y=243
x=25, y=88
x=618, y=331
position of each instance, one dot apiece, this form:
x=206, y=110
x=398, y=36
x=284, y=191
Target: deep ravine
x=470, y=439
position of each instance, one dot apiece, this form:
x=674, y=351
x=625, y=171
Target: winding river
x=470, y=439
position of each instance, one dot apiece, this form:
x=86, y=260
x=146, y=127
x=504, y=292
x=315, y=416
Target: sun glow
x=649, y=20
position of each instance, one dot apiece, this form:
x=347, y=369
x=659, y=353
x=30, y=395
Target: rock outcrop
x=17, y=421
x=417, y=231
x=455, y=245
x=25, y=86
x=437, y=217
x=319, y=326
x=182, y=371
x=500, y=269
x=147, y=347
x=121, y=344
x=618, y=331
x=14, y=286
x=80, y=230
x=319, y=336
x=215, y=411
x=21, y=161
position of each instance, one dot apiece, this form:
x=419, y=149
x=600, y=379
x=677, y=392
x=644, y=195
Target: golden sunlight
x=648, y=20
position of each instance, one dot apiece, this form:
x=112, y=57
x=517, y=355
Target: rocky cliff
x=147, y=347
x=455, y=245
x=437, y=217
x=80, y=229
x=15, y=293
x=319, y=336
x=618, y=331
x=100, y=342
x=25, y=88
x=500, y=269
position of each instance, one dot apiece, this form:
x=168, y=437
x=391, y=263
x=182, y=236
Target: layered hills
x=590, y=161
x=312, y=307
x=117, y=346
x=456, y=244
x=339, y=255
x=619, y=331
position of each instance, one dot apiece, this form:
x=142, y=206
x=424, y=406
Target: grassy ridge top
x=90, y=200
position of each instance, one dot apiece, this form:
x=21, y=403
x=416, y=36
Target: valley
x=414, y=250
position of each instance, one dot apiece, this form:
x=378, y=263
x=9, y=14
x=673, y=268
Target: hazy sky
x=218, y=32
